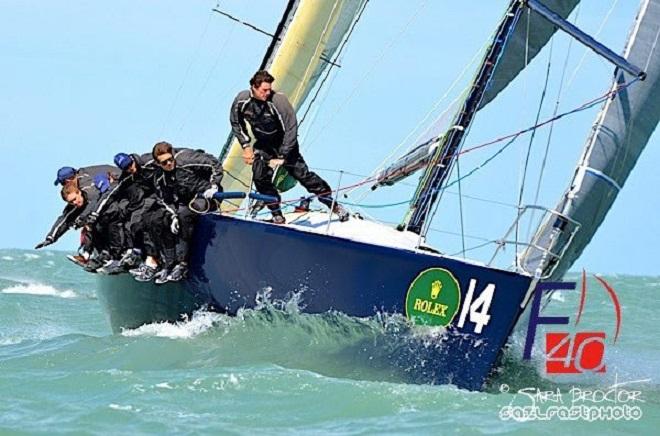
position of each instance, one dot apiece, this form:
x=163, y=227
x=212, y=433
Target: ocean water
x=276, y=370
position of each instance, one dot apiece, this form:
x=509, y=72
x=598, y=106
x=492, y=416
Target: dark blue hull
x=233, y=260
x=130, y=304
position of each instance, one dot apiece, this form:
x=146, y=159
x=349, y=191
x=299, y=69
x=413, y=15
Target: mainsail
x=307, y=38
x=620, y=133
x=530, y=34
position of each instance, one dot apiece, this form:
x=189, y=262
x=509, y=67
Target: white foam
x=7, y=258
x=39, y=289
x=126, y=408
x=200, y=322
x=10, y=341
x=164, y=385
x=31, y=256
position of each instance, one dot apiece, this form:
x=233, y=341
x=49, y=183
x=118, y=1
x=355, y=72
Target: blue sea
x=276, y=370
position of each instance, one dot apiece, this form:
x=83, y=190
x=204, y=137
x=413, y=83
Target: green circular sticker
x=433, y=298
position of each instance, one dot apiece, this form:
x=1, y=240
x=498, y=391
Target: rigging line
x=309, y=127
x=460, y=76
x=521, y=173
x=207, y=80
x=368, y=73
x=193, y=58
x=533, y=135
x=460, y=206
x=336, y=58
x=446, y=232
x=474, y=248
x=231, y=17
x=586, y=50
x=412, y=185
x=552, y=125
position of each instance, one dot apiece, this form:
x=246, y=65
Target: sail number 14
x=478, y=309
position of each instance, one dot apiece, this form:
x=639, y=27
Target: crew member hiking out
x=136, y=193
x=103, y=236
x=185, y=183
x=275, y=128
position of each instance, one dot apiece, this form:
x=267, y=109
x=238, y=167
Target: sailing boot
x=256, y=208
x=303, y=206
x=143, y=273
x=178, y=273
x=278, y=218
x=112, y=266
x=131, y=258
x=342, y=213
x=97, y=261
x=161, y=276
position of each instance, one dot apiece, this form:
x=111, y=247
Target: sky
x=83, y=80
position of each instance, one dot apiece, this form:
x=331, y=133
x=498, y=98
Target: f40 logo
x=565, y=353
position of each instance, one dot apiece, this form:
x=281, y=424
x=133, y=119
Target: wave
x=39, y=289
x=200, y=322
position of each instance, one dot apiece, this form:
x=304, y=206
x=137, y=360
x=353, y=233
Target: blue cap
x=123, y=161
x=101, y=182
x=63, y=174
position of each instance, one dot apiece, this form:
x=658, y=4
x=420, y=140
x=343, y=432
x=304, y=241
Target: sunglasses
x=167, y=161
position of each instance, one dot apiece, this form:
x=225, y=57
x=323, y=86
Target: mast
x=440, y=164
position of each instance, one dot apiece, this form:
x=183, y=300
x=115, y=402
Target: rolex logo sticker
x=433, y=298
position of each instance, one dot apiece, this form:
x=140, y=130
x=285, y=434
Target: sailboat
x=363, y=267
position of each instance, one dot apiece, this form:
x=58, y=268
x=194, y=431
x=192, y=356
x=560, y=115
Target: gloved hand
x=44, y=243
x=209, y=193
x=274, y=163
x=91, y=219
x=174, y=227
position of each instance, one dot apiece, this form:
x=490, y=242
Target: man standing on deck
x=275, y=127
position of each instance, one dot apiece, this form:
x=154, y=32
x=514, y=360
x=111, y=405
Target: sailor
x=274, y=125
x=186, y=183
x=128, y=202
x=136, y=188
x=84, y=180
x=103, y=232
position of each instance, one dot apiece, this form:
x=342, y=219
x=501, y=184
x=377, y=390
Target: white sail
x=619, y=136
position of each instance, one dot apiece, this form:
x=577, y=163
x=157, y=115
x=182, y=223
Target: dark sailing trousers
x=262, y=176
x=174, y=249
x=140, y=233
x=158, y=222
x=108, y=233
